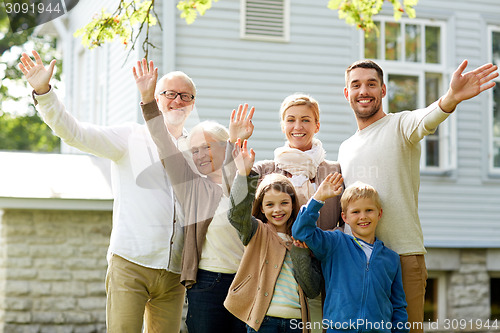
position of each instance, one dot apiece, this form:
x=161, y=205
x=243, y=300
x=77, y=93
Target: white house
x=260, y=51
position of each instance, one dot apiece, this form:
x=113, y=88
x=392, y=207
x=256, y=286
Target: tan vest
x=252, y=289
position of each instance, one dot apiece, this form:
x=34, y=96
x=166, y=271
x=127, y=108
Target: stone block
x=16, y=288
x=57, y=329
x=77, y=317
x=54, y=275
x=96, y=289
x=69, y=289
x=17, y=317
x=92, y=303
x=40, y=288
x=17, y=304
x=78, y=263
x=21, y=273
x=48, y=317
x=95, y=275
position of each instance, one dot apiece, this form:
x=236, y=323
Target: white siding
x=228, y=70
x=462, y=209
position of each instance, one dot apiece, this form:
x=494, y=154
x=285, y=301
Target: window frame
x=494, y=171
x=447, y=135
x=442, y=295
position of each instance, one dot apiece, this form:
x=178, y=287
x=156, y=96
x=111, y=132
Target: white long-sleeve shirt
x=146, y=230
x=386, y=155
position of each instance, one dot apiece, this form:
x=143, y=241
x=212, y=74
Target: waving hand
x=145, y=78
x=37, y=75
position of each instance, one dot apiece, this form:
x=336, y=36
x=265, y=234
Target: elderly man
x=144, y=256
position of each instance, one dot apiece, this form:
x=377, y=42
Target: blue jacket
x=361, y=295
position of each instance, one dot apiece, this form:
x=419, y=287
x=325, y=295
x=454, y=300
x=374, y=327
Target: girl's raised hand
x=145, y=78
x=240, y=124
x=243, y=158
x=330, y=187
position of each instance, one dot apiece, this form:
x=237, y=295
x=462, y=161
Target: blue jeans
x=278, y=325
x=206, y=311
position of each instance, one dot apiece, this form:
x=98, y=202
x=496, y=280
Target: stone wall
x=52, y=270
x=469, y=290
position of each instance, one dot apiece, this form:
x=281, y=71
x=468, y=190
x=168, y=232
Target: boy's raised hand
x=330, y=187
x=243, y=158
x=240, y=124
x=145, y=78
x=37, y=75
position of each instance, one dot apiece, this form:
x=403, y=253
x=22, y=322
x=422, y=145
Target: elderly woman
x=212, y=249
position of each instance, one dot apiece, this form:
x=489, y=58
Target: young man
x=364, y=290
x=144, y=256
x=385, y=152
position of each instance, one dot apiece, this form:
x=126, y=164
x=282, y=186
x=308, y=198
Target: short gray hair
x=214, y=129
x=167, y=76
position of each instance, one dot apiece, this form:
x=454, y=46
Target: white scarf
x=302, y=165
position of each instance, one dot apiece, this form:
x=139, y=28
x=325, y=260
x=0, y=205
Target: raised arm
x=304, y=228
x=243, y=158
x=243, y=193
x=145, y=78
x=468, y=85
x=103, y=141
x=330, y=187
x=240, y=124
x=179, y=172
x=35, y=72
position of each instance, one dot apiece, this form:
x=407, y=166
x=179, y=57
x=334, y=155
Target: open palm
x=240, y=123
x=145, y=78
x=37, y=75
x=330, y=187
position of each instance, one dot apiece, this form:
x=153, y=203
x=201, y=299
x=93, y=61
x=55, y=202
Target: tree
x=132, y=16
x=25, y=130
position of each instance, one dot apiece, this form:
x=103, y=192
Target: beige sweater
x=198, y=196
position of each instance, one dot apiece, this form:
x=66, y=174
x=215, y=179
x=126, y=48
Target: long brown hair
x=279, y=183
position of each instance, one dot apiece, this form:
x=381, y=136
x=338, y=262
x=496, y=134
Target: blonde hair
x=216, y=131
x=300, y=99
x=359, y=190
x=170, y=75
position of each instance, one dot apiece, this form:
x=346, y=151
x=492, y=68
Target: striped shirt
x=285, y=302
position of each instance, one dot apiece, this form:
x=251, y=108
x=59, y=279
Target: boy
x=364, y=290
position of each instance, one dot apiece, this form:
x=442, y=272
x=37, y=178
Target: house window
x=411, y=54
x=435, y=297
x=430, y=304
x=495, y=104
x=266, y=20
x=495, y=298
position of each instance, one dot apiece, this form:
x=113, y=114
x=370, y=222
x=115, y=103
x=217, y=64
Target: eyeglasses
x=170, y=94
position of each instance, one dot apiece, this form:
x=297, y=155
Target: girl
x=212, y=250
x=265, y=294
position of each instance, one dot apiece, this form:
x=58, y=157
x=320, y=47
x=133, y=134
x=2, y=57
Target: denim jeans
x=206, y=311
x=278, y=325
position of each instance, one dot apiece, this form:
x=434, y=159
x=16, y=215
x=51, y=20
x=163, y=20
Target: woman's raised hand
x=240, y=123
x=330, y=187
x=145, y=78
x=37, y=75
x=243, y=158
